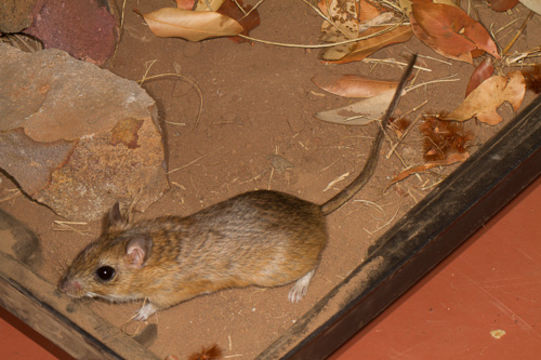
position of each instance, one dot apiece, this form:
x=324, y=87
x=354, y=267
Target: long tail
x=357, y=184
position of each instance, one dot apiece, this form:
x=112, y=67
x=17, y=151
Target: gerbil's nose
x=69, y=286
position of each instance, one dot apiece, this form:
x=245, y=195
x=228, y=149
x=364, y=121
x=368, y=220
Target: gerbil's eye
x=105, y=273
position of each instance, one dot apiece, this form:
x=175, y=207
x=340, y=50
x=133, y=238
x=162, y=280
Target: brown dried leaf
x=191, y=25
x=364, y=48
x=350, y=20
x=248, y=23
x=502, y=5
x=352, y=85
x=185, y=4
x=482, y=72
x=449, y=31
x=361, y=112
x=214, y=5
x=483, y=102
x=453, y=158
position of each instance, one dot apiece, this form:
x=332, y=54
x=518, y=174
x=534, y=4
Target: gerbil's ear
x=138, y=250
x=115, y=220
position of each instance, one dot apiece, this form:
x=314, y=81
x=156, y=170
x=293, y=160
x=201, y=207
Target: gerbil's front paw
x=300, y=288
x=145, y=311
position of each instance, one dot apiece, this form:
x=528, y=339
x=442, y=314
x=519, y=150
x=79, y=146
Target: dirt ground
x=257, y=131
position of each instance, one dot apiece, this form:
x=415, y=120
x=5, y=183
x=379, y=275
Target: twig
x=320, y=46
x=188, y=164
x=253, y=8
x=394, y=62
x=434, y=59
x=519, y=32
x=338, y=179
x=240, y=8
x=182, y=77
x=450, y=78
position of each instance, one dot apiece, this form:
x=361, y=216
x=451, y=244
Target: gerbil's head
x=108, y=267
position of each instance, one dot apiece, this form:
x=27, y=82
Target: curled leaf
x=361, y=112
x=449, y=31
x=191, y=25
x=352, y=85
x=483, y=102
x=482, y=72
x=364, y=48
x=451, y=159
x=351, y=19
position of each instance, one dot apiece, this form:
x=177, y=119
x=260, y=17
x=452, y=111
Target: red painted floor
x=483, y=302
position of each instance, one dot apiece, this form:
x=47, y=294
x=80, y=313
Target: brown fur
x=262, y=238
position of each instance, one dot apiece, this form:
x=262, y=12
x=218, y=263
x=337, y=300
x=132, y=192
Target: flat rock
x=15, y=15
x=83, y=28
x=78, y=138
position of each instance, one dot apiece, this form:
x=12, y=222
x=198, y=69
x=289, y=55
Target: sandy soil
x=257, y=131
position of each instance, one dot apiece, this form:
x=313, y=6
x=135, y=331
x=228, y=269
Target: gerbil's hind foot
x=300, y=288
x=144, y=312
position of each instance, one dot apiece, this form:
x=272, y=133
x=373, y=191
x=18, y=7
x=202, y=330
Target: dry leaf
x=449, y=31
x=191, y=25
x=352, y=85
x=214, y=5
x=532, y=77
x=484, y=101
x=351, y=19
x=502, y=5
x=185, y=4
x=229, y=8
x=482, y=72
x=364, y=48
x=361, y=112
x=451, y=159
x=534, y=5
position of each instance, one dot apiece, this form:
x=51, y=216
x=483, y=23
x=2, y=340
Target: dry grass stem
x=434, y=59
x=496, y=32
x=372, y=232
x=60, y=225
x=337, y=180
x=406, y=132
x=450, y=78
x=186, y=165
x=175, y=123
x=391, y=61
x=240, y=8
x=253, y=8
x=373, y=204
x=320, y=46
x=179, y=76
x=233, y=356
x=519, y=32
x=14, y=194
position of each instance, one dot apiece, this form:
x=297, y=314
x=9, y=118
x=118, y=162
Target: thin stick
x=320, y=46
x=252, y=9
x=519, y=32
x=435, y=59
x=184, y=78
x=240, y=8
x=186, y=165
x=450, y=78
x=394, y=62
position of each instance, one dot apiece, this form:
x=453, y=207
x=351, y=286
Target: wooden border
x=428, y=233
x=419, y=241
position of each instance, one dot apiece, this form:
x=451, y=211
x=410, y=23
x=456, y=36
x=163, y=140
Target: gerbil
x=262, y=238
